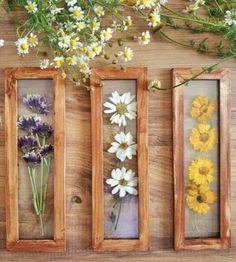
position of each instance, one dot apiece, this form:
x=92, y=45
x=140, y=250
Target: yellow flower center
x=58, y=63
x=30, y=7
x=126, y=54
x=24, y=46
x=93, y=24
x=106, y=34
x=123, y=145
x=76, y=13
x=203, y=170
x=204, y=137
x=143, y=2
x=145, y=37
x=123, y=182
x=32, y=40
x=73, y=42
x=121, y=108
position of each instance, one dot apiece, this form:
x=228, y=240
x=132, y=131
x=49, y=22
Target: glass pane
x=120, y=159
x=201, y=158
x=35, y=158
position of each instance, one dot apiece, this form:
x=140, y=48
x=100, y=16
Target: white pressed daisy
x=33, y=40
x=22, y=46
x=145, y=38
x=31, y=7
x=143, y=4
x=230, y=17
x=106, y=34
x=77, y=12
x=58, y=61
x=122, y=107
x=2, y=42
x=71, y=2
x=123, y=181
x=44, y=63
x=127, y=54
x=99, y=10
x=154, y=18
x=123, y=146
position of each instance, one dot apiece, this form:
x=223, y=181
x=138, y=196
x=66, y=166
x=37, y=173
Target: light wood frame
x=224, y=240
x=13, y=242
x=98, y=241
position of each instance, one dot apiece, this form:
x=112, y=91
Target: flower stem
x=41, y=224
x=118, y=216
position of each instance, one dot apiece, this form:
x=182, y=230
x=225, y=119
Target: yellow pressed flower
x=201, y=171
x=203, y=138
x=203, y=108
x=199, y=198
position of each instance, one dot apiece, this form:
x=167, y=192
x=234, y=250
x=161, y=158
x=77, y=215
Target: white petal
x=115, y=174
x=133, y=182
x=110, y=105
x=115, y=118
x=115, y=189
x=118, y=138
x=119, y=173
x=122, y=191
x=112, y=182
x=132, y=107
x=129, y=139
x=128, y=175
x=131, y=190
x=112, y=150
x=120, y=154
x=115, y=98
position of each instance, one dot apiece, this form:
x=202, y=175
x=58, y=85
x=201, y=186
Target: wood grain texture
x=224, y=241
x=159, y=57
x=13, y=242
x=99, y=243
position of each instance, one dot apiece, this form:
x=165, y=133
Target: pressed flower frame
x=108, y=182
x=17, y=178
x=201, y=160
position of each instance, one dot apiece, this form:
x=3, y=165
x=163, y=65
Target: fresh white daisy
x=22, y=46
x=74, y=42
x=143, y=4
x=84, y=68
x=123, y=181
x=123, y=146
x=2, y=42
x=72, y=60
x=96, y=48
x=106, y=34
x=44, y=63
x=154, y=18
x=77, y=12
x=144, y=38
x=58, y=61
x=99, y=10
x=31, y=7
x=33, y=40
x=127, y=54
x=71, y=2
x=94, y=24
x=80, y=26
x=122, y=107
x=230, y=17
x=64, y=42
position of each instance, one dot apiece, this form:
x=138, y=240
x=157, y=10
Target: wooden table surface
x=160, y=57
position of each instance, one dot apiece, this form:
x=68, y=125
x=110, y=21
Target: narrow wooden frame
x=224, y=241
x=13, y=242
x=98, y=241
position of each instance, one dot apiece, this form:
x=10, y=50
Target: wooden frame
x=224, y=241
x=99, y=243
x=12, y=233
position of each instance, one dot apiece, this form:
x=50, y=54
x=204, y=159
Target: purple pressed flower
x=28, y=122
x=42, y=129
x=27, y=142
x=37, y=103
x=46, y=150
x=32, y=158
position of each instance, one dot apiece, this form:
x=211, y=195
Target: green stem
x=118, y=217
x=33, y=191
x=41, y=224
x=41, y=184
x=48, y=164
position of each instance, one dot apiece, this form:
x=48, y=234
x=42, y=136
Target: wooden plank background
x=159, y=57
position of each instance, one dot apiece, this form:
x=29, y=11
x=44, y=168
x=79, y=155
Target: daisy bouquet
x=123, y=181
x=36, y=150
